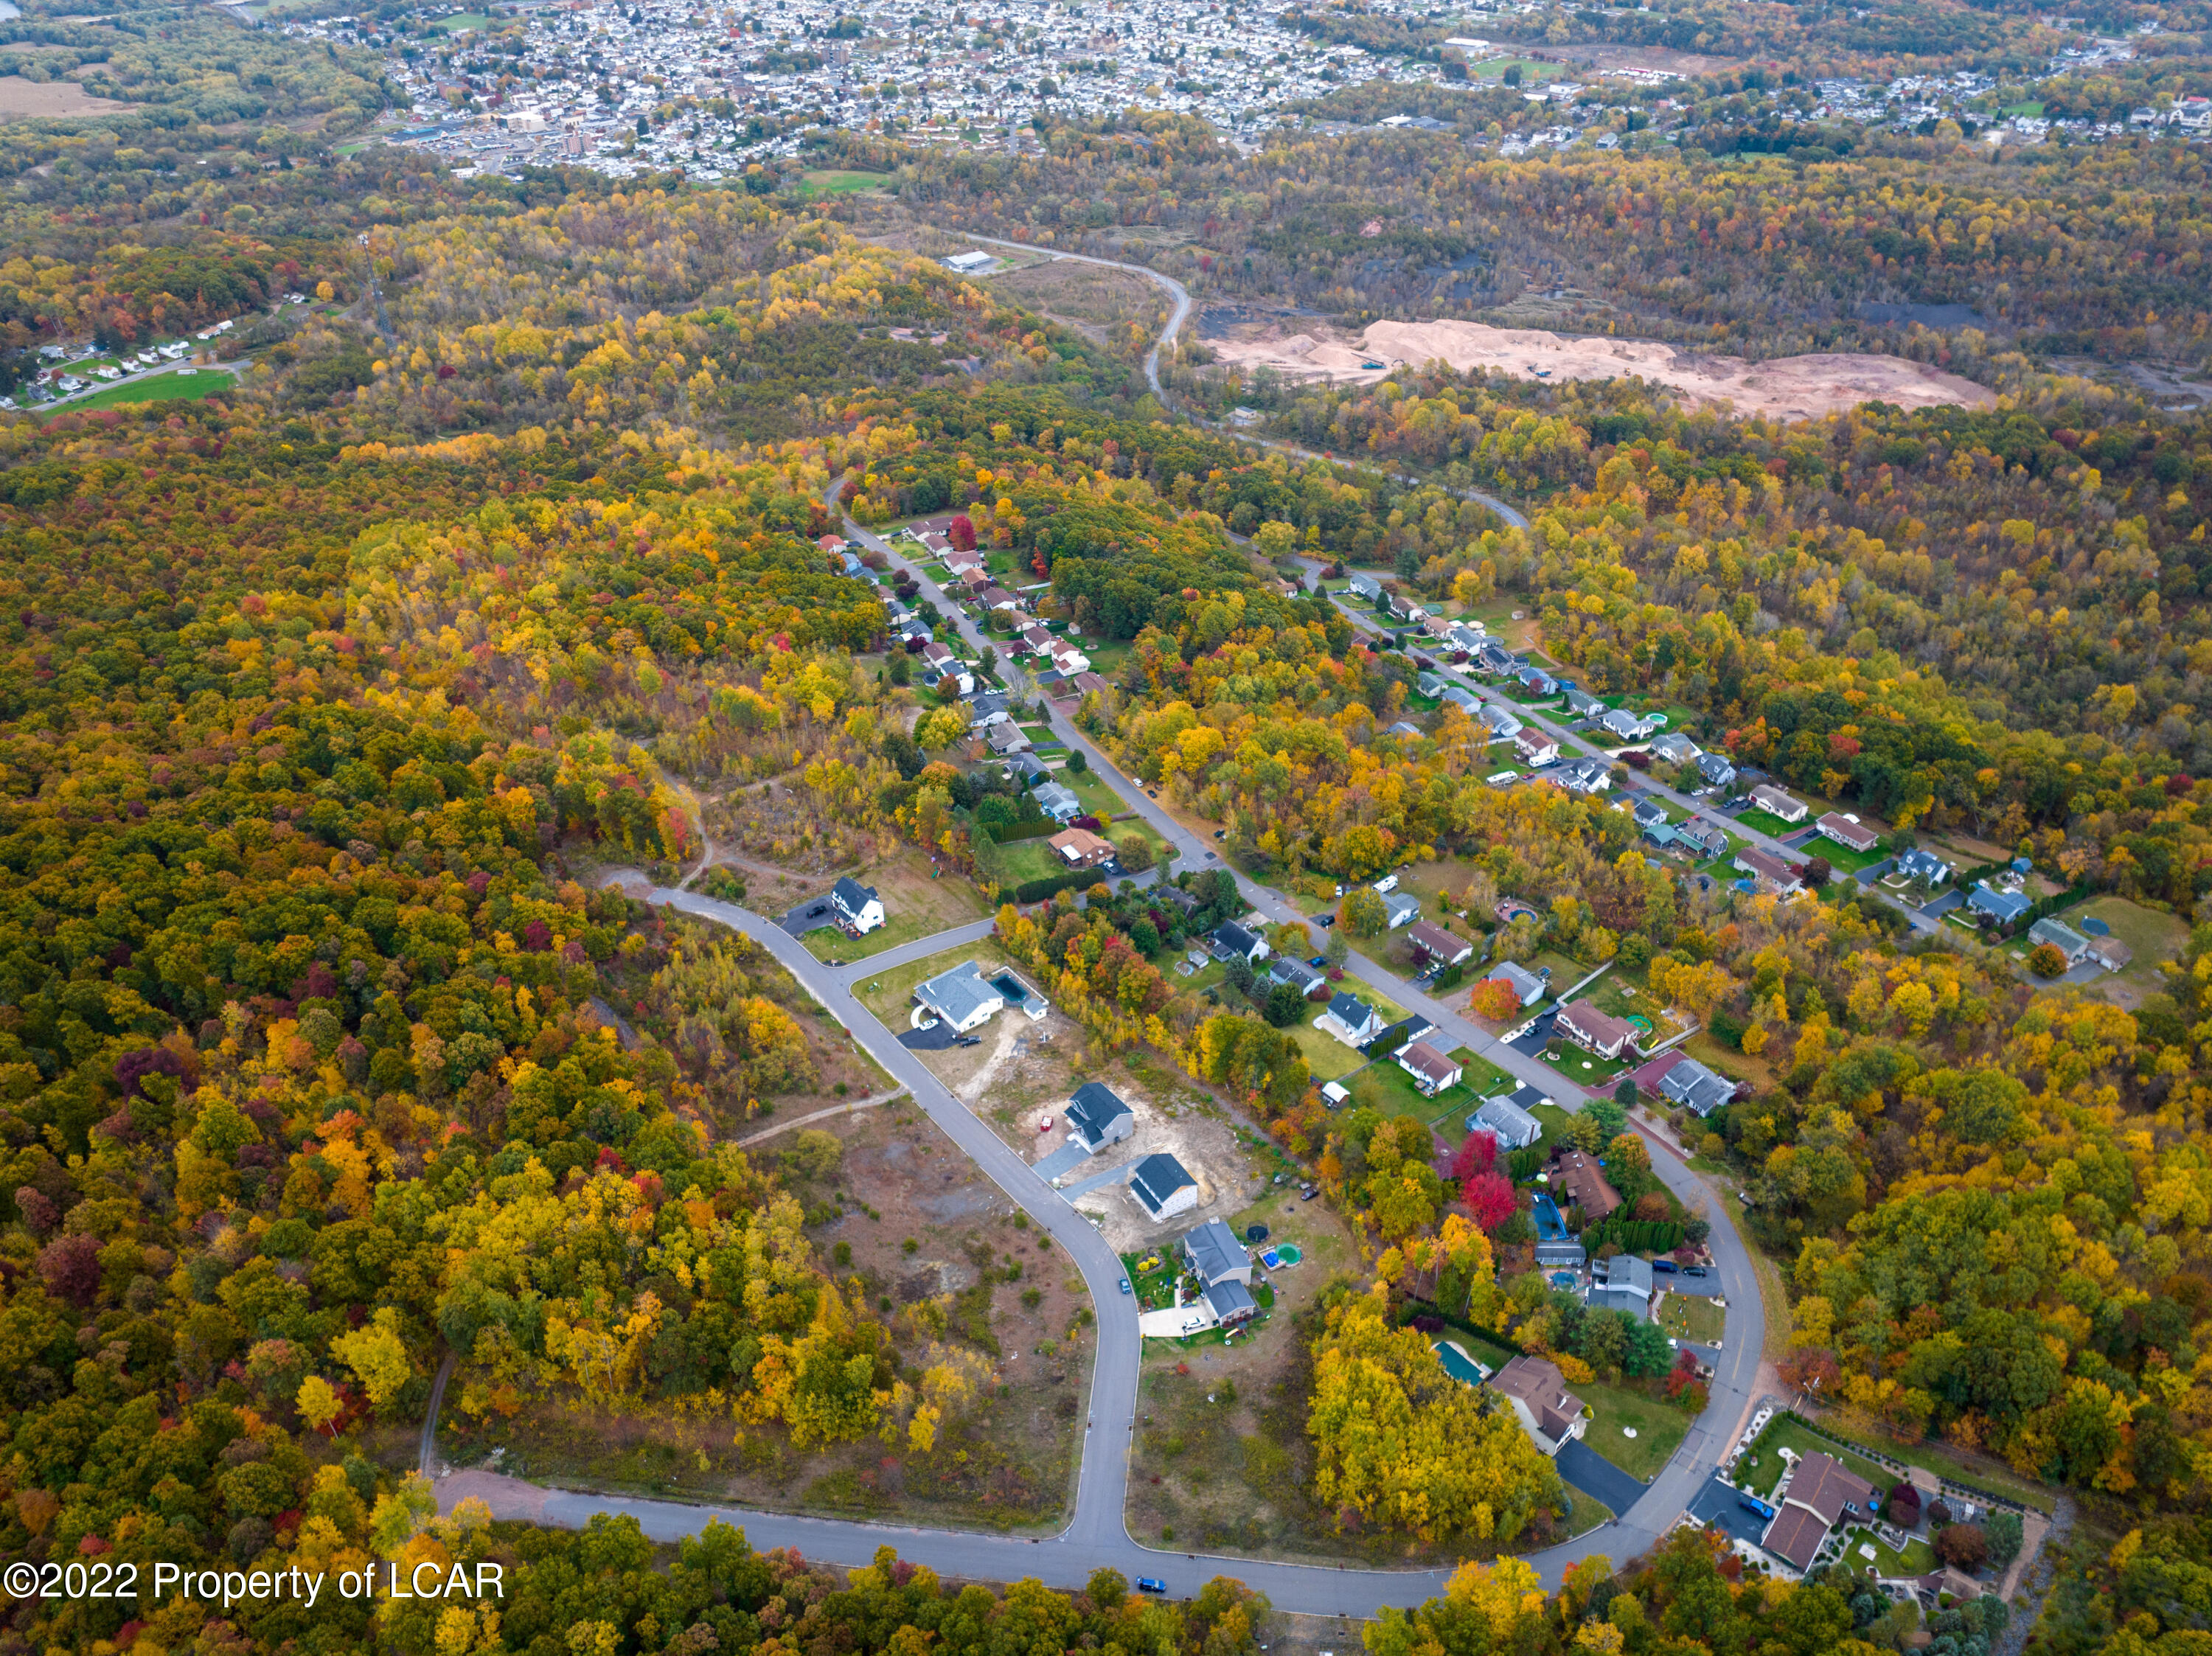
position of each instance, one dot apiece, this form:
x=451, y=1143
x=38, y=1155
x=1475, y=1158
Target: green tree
x=1362, y=913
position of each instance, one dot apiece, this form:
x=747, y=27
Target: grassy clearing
x=1582, y=1069
x=1386, y=1086
x=1329, y=1059
x=1843, y=858
x=1693, y=1318
x=830, y=183
x=462, y=22
x=2156, y=937
x=915, y=906
x=177, y=386
x=1617, y=1410
x=1762, y=1465
x=1766, y=822
x=1917, y=1558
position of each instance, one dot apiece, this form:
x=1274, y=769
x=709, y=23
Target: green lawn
x=1584, y=1069
x=890, y=996
x=1557, y=1129
x=1773, y=826
x=1530, y=69
x=1659, y=1428
x=1329, y=1059
x=2156, y=937
x=1384, y=1086
x=1693, y=1318
x=1585, y=1512
x=1761, y=1467
x=1843, y=858
x=1917, y=1558
x=467, y=20
x=176, y=386
x=838, y=184
x=1098, y=798
x=828, y=943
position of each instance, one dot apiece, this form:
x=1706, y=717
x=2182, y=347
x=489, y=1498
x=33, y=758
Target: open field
x=1091, y=300
x=915, y=906
x=931, y=1228
x=1632, y=1405
x=35, y=100
x=177, y=386
x=2155, y=938
x=1791, y=388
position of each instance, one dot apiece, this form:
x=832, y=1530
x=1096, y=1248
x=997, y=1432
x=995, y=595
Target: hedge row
x=1634, y=1235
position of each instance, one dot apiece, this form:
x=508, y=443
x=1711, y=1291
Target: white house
x=1097, y=1117
x=1350, y=1020
x=858, y=908
x=1537, y=1392
x=1432, y=1071
x=1215, y=1255
x=1403, y=908
x=1231, y=938
x=1513, y=1126
x=1163, y=1187
x=1533, y=747
x=960, y=997
x=1775, y=803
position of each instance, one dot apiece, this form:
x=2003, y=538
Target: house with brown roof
x=1595, y=1031
x=1582, y=1184
x=1432, y=1070
x=1848, y=831
x=1537, y=1393
x=1439, y=945
x=1770, y=873
x=1820, y=1493
x=1081, y=848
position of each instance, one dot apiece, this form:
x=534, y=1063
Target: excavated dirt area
x=1790, y=387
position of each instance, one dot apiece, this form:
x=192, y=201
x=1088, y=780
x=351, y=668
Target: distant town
x=624, y=90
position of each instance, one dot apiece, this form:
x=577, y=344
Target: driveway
x=1594, y=1475
x=1719, y=1506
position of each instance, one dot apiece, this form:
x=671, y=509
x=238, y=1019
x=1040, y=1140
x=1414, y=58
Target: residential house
x=1647, y=813
x=1366, y=586
x=1214, y=1255
x=1689, y=1083
x=1430, y=684
x=1704, y=837
x=2111, y=953
x=998, y=599
x=1496, y=660
x=1581, y=703
x=1770, y=873
x=1097, y=1116
x=1776, y=802
x=1503, y=726
x=1533, y=747
x=1442, y=947
x=1232, y=939
x=858, y=908
x=1620, y=722
x=1057, y=800
x=1621, y=1284
x=1459, y=696
x=1537, y=681
x=1924, y=866
x=1005, y=738
x=1716, y=770
x=1675, y=748
x=1068, y=660
x=1230, y=1304
x=1529, y=987
x=1465, y=639
x=1403, y=728
x=1582, y=775
x=1507, y=1119
x=1595, y=1032
x=1081, y=848
x=1663, y=836
x=1583, y=1184
x=1818, y=1492
x=1289, y=968
x=1847, y=832
x=961, y=997
x=1035, y=641
x=1163, y=1187
x=1536, y=1391
x=2062, y=937
x=1402, y=906
x=1432, y=1071
x=2002, y=907
x=1350, y=1020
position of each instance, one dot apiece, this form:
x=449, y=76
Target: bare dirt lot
x=32, y=100
x=1087, y=298
x=1791, y=388
x=931, y=1241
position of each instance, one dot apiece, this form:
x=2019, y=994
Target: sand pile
x=1791, y=388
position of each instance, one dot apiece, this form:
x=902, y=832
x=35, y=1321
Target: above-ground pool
x=1461, y=1366
x=1550, y=1227
x=1562, y=1279
x=1283, y=1254
x=1638, y=1021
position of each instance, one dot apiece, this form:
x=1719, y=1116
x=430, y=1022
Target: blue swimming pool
x=1550, y=1227
x=1010, y=988
x=1458, y=1364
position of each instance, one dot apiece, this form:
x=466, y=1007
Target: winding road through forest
x=1096, y=1535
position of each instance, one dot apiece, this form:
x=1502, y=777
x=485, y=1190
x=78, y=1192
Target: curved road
x=1097, y=1535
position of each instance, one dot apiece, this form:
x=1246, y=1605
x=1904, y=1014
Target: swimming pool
x=1562, y=1279
x=1461, y=1366
x=1281, y=1254
x=1011, y=988
x=1550, y=1227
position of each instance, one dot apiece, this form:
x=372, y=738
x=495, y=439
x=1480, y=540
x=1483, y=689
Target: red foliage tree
x=70, y=1267
x=961, y=533
x=1489, y=1197
x=1494, y=999
x=1478, y=1154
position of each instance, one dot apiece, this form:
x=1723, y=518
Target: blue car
x=1150, y=1584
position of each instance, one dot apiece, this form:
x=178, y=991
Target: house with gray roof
x=1507, y=1121
x=2002, y=907
x=1691, y=1085
x=1215, y=1255
x=961, y=997
x=1058, y=801
x=1621, y=1284
x=1098, y=1116
x=2062, y=937
x=1163, y=1187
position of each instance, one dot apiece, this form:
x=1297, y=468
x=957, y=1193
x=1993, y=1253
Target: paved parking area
x=1594, y=1475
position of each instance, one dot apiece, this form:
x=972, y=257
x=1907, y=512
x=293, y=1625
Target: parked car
x=1125, y=1284
x=1665, y=1267
x=1324, y=921
x=1150, y=1584
x=1318, y=960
